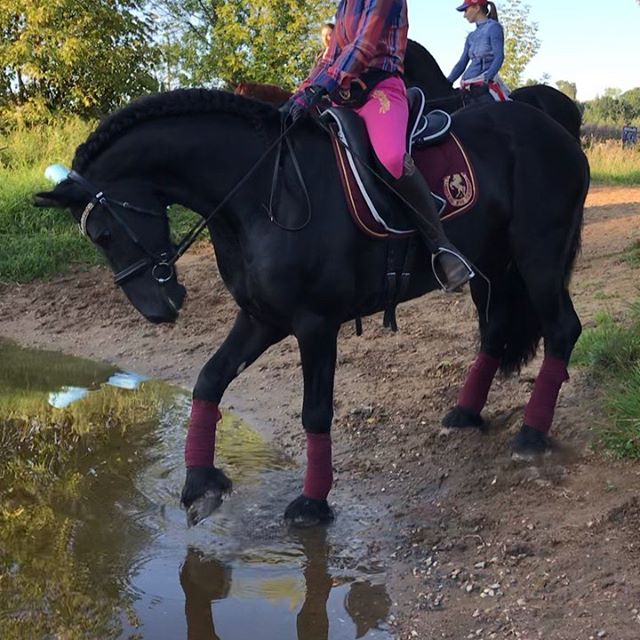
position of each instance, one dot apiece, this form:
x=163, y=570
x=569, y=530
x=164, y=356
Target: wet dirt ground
x=476, y=545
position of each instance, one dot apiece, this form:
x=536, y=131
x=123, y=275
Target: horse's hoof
x=530, y=444
x=461, y=418
x=203, y=492
x=308, y=512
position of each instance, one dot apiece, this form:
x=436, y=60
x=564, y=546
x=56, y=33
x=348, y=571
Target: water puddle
x=94, y=545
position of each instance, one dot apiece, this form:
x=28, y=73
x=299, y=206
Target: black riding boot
x=450, y=267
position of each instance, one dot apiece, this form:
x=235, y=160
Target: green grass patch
x=611, y=350
x=622, y=435
x=37, y=242
x=612, y=164
x=42, y=242
x=632, y=254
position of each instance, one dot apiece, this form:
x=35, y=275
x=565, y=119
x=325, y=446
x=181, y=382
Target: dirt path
x=478, y=546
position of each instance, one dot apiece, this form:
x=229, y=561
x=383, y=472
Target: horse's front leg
x=205, y=484
x=317, y=339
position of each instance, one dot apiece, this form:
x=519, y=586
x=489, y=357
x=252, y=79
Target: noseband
x=163, y=264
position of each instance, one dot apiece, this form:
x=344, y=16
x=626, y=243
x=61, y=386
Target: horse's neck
x=207, y=159
x=421, y=69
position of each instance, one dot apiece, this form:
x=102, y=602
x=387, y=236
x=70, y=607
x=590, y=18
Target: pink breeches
x=386, y=115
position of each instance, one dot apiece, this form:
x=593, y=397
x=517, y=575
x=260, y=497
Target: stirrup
x=460, y=257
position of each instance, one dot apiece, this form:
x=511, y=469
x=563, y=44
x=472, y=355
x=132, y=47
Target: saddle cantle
x=436, y=151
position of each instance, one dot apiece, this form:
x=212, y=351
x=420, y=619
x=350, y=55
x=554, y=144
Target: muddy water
x=93, y=544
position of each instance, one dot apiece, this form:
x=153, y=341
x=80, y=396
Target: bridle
x=163, y=264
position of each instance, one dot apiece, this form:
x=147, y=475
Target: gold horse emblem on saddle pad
x=457, y=189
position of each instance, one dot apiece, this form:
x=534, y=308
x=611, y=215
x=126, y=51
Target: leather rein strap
x=163, y=269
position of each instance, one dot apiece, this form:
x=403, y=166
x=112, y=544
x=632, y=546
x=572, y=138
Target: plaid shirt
x=368, y=34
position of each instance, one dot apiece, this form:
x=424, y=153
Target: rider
x=326, y=33
x=363, y=70
x=484, y=49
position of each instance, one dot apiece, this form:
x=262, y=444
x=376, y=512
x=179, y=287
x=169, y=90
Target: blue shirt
x=484, y=48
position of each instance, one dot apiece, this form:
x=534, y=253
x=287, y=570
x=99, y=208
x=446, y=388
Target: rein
x=163, y=269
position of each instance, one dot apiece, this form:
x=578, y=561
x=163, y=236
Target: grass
x=37, y=242
x=612, y=164
x=632, y=254
x=611, y=350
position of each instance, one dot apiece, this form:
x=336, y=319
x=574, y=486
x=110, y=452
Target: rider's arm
x=496, y=41
x=461, y=65
x=354, y=58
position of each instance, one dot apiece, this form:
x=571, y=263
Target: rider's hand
x=302, y=101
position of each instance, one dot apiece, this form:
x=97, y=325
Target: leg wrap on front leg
x=204, y=485
x=201, y=437
x=542, y=404
x=319, y=476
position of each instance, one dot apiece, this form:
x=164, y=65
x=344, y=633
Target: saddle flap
x=356, y=160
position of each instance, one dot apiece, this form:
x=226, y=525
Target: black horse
x=422, y=70
x=192, y=146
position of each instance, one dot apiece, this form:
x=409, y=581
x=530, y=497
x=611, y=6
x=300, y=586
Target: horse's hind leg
x=317, y=339
x=493, y=318
x=561, y=329
x=247, y=340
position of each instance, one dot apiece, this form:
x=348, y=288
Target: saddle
x=437, y=153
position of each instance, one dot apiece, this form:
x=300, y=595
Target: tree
x=520, y=41
x=225, y=42
x=77, y=56
x=633, y=98
x=568, y=88
x=612, y=92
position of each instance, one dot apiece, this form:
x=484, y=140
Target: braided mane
x=172, y=103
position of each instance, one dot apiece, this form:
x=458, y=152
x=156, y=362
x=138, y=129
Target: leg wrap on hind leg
x=542, y=404
x=319, y=475
x=473, y=395
x=201, y=438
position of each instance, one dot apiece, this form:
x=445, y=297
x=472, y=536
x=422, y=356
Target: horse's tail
x=574, y=241
x=525, y=331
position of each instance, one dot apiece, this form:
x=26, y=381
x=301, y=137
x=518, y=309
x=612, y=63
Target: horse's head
x=127, y=221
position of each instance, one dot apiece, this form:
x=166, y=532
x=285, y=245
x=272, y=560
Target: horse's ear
x=65, y=195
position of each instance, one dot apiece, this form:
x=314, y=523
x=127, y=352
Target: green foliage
x=611, y=350
x=41, y=242
x=632, y=254
x=614, y=107
x=622, y=436
x=225, y=42
x=83, y=57
x=521, y=42
x=568, y=88
x=37, y=242
x=611, y=163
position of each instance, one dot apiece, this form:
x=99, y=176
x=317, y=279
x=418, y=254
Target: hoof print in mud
x=203, y=492
x=461, y=418
x=308, y=512
x=530, y=444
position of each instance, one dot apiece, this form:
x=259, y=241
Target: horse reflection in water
x=205, y=580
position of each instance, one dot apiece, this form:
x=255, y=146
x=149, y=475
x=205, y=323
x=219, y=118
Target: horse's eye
x=103, y=239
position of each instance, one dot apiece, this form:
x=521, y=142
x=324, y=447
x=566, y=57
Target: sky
x=594, y=43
